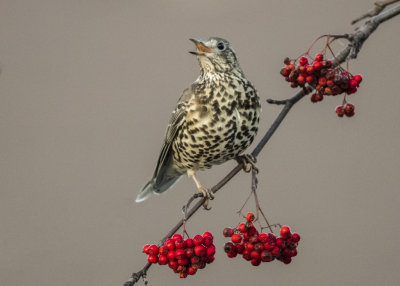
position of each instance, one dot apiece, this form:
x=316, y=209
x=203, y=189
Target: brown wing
x=175, y=123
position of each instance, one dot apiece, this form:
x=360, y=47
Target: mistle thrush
x=215, y=119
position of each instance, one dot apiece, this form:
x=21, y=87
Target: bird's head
x=215, y=55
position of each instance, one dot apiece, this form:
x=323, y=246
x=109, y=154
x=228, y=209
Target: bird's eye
x=221, y=46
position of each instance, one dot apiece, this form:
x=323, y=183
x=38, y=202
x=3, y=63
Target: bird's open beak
x=201, y=48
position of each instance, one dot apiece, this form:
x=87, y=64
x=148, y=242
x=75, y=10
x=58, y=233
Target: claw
x=248, y=161
x=208, y=195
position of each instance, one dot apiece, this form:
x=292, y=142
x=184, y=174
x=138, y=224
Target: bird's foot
x=248, y=161
x=208, y=195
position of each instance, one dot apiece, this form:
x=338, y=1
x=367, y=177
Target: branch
x=379, y=6
x=356, y=40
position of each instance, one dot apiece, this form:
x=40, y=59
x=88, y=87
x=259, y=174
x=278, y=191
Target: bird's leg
x=249, y=162
x=207, y=193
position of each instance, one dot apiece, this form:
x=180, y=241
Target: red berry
x=189, y=252
x=232, y=254
x=259, y=247
x=152, y=258
x=195, y=260
x=228, y=247
x=189, y=243
x=239, y=248
x=310, y=79
x=276, y=251
x=146, y=249
x=271, y=238
x=291, y=67
x=173, y=264
x=268, y=246
x=198, y=239
x=207, y=233
x=183, y=274
x=340, y=111
x=353, y=83
x=358, y=78
x=180, y=254
x=286, y=252
x=317, y=65
x=291, y=245
x=163, y=250
x=250, y=217
x=191, y=270
x=180, y=243
x=263, y=237
x=183, y=261
x=210, y=259
x=285, y=72
x=303, y=61
x=249, y=225
x=293, y=252
x=319, y=57
x=328, y=91
x=256, y=262
x=228, y=232
x=253, y=239
x=280, y=242
x=349, y=110
x=170, y=244
x=286, y=61
x=249, y=246
x=210, y=251
x=253, y=232
x=153, y=249
x=254, y=254
x=316, y=97
x=266, y=256
x=199, y=250
x=236, y=238
x=162, y=260
x=310, y=69
x=295, y=237
x=171, y=255
x=301, y=79
x=202, y=264
x=242, y=228
x=208, y=241
x=322, y=81
x=330, y=83
x=246, y=254
x=176, y=237
x=287, y=260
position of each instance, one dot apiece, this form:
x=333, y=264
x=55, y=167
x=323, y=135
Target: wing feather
x=176, y=121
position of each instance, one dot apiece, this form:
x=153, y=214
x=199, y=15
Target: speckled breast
x=221, y=122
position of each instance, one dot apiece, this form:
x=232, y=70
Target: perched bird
x=215, y=119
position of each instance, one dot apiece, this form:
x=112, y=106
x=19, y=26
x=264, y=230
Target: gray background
x=86, y=90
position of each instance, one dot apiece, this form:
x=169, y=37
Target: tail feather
x=157, y=188
x=146, y=191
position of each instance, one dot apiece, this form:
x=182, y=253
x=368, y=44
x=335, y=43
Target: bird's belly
x=212, y=140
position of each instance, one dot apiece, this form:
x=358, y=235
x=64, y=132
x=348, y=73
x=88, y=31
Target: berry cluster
x=320, y=74
x=260, y=247
x=346, y=109
x=183, y=256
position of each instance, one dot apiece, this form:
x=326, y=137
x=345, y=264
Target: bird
x=215, y=120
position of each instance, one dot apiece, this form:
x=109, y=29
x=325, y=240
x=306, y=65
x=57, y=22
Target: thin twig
x=356, y=41
x=379, y=6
